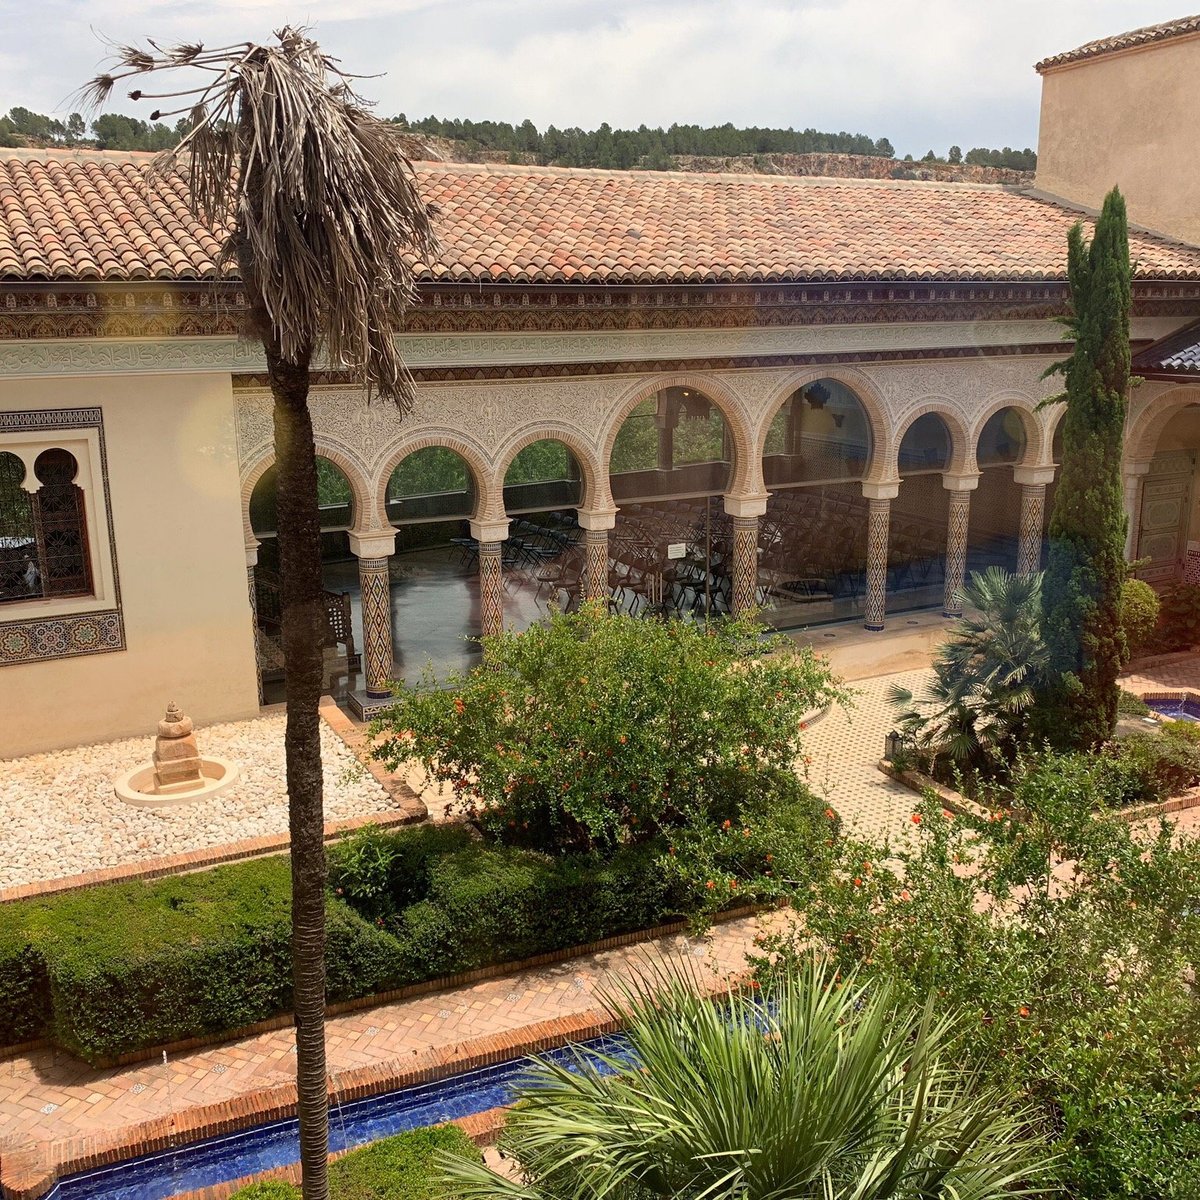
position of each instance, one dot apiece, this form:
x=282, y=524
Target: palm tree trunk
x=298, y=529
x=299, y=532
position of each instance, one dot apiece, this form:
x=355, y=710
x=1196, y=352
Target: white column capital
x=252, y=552
x=746, y=506
x=596, y=518
x=1136, y=468
x=881, y=491
x=964, y=481
x=372, y=543
x=1034, y=476
x=490, y=530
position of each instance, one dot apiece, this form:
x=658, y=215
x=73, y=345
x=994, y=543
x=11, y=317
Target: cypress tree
x=1081, y=594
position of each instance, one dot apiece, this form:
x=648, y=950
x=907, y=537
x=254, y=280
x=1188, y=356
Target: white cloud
x=923, y=73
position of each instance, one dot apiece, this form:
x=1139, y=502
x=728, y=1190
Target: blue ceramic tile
x=165, y=1174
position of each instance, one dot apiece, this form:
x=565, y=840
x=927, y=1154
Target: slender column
x=491, y=589
x=745, y=564
x=1033, y=481
x=252, y=590
x=491, y=535
x=956, y=553
x=957, y=524
x=595, y=564
x=1033, y=518
x=376, y=590
x=879, y=514
x=666, y=418
x=595, y=523
x=745, y=511
x=374, y=550
x=1135, y=479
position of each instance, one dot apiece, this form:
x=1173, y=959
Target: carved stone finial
x=175, y=724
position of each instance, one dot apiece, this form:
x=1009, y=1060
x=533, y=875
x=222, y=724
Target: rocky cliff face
x=835, y=166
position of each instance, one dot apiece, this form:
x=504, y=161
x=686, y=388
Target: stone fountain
x=177, y=774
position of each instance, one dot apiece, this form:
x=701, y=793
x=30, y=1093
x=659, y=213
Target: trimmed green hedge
x=118, y=968
x=403, y=1167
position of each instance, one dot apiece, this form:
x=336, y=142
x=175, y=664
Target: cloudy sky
x=924, y=73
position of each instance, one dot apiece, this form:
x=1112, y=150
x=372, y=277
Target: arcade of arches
x=825, y=544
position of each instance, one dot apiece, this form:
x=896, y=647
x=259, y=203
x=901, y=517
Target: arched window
x=43, y=533
x=334, y=496
x=432, y=483
x=822, y=434
x=994, y=528
x=1002, y=439
x=675, y=443
x=544, y=475
x=925, y=446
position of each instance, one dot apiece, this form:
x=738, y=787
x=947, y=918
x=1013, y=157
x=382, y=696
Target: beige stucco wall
x=176, y=508
x=1128, y=119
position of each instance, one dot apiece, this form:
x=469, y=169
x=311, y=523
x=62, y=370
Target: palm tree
x=986, y=674
x=325, y=224
x=823, y=1088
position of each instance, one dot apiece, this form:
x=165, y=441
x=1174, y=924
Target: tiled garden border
x=957, y=802
x=28, y=1171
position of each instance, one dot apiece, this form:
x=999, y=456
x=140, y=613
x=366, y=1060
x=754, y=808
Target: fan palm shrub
x=819, y=1086
x=985, y=675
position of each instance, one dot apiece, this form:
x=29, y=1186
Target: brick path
x=845, y=747
x=47, y=1097
x=1176, y=675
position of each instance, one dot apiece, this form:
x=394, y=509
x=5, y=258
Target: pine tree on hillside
x=1082, y=591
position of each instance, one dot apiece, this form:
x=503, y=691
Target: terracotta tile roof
x=1177, y=354
x=87, y=216
x=1124, y=41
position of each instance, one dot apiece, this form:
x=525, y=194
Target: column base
x=954, y=616
x=873, y=628
x=365, y=706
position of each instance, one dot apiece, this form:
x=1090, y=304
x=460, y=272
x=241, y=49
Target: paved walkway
x=845, y=747
x=1175, y=675
x=48, y=1097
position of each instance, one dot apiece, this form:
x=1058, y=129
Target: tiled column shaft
x=595, y=564
x=745, y=564
x=253, y=592
x=376, y=591
x=878, y=518
x=1029, y=537
x=491, y=592
x=956, y=552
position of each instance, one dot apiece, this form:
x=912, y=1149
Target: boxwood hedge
x=118, y=968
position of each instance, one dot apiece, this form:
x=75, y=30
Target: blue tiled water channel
x=1178, y=709
x=168, y=1173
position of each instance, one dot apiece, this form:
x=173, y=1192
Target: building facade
x=824, y=399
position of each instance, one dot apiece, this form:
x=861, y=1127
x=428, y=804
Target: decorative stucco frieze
x=111, y=355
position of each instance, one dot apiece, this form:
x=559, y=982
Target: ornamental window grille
x=43, y=531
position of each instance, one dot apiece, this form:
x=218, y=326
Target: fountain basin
x=138, y=786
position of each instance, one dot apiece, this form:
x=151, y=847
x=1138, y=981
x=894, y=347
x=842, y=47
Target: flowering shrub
x=589, y=731
x=1073, y=940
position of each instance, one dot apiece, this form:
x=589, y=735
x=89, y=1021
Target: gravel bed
x=60, y=816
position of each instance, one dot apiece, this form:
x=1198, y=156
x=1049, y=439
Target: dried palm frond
x=317, y=195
